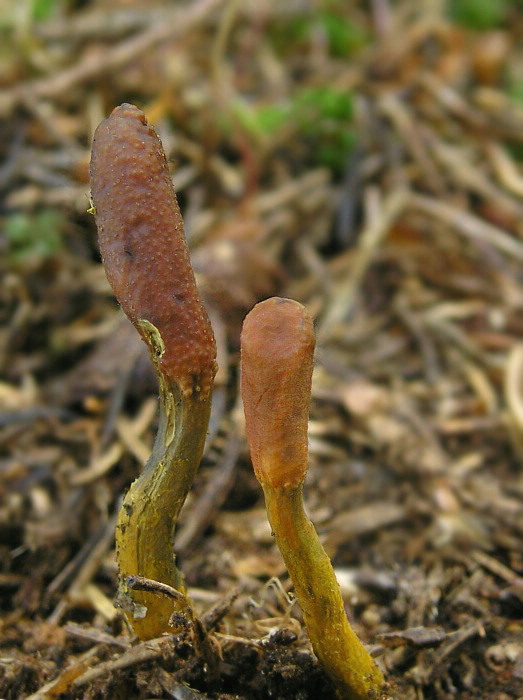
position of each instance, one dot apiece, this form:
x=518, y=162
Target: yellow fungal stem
x=342, y=655
x=150, y=510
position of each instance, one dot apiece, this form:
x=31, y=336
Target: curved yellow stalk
x=343, y=656
x=150, y=510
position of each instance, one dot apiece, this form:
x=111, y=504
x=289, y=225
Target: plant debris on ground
x=363, y=158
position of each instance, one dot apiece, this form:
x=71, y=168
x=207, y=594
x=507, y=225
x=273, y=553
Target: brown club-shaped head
x=277, y=349
x=144, y=251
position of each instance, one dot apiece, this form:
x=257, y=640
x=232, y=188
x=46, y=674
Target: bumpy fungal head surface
x=277, y=351
x=143, y=246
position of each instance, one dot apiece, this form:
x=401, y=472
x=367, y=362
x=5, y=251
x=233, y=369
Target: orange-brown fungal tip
x=143, y=246
x=277, y=350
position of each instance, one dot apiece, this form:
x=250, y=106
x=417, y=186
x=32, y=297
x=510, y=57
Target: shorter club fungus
x=147, y=263
x=277, y=348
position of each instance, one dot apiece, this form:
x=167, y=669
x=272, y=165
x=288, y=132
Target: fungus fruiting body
x=146, y=259
x=277, y=348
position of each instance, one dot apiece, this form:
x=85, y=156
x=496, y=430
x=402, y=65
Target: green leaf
x=343, y=36
x=479, y=14
x=44, y=9
x=33, y=236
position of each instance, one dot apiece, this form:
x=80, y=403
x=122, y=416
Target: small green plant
x=479, y=14
x=277, y=348
x=343, y=36
x=324, y=116
x=147, y=263
x=321, y=115
x=44, y=9
x=515, y=90
x=33, y=236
